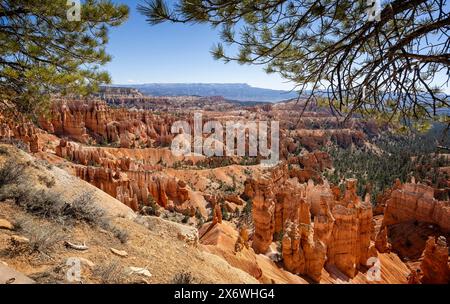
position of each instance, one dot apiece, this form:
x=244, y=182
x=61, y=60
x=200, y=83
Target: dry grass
x=44, y=239
x=50, y=204
x=19, y=144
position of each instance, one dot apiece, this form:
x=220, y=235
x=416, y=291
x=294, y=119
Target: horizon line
x=194, y=83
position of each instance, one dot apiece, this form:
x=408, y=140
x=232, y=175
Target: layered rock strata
x=416, y=202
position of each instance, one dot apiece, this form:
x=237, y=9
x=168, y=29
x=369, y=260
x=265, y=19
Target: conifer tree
x=389, y=63
x=53, y=47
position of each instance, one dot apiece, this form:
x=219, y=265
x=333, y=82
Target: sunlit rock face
x=302, y=254
x=316, y=229
x=434, y=267
x=95, y=121
x=416, y=202
x=23, y=130
x=134, y=188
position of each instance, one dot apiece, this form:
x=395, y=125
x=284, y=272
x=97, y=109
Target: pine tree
x=383, y=68
x=46, y=49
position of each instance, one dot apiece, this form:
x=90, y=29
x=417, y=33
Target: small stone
x=141, y=271
x=86, y=262
x=4, y=224
x=19, y=239
x=121, y=253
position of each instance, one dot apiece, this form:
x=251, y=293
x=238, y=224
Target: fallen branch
x=75, y=246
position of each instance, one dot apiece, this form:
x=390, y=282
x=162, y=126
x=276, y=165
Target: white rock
x=121, y=253
x=141, y=271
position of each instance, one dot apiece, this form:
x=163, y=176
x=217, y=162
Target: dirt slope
x=161, y=252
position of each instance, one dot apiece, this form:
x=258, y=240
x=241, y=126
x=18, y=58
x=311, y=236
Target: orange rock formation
x=435, y=267
x=416, y=202
x=94, y=120
x=341, y=233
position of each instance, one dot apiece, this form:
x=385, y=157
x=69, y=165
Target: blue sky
x=173, y=53
x=179, y=53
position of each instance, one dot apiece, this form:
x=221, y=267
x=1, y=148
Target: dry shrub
x=44, y=204
x=84, y=209
x=121, y=234
x=51, y=205
x=48, y=181
x=3, y=151
x=11, y=172
x=183, y=278
x=111, y=273
x=19, y=144
x=42, y=239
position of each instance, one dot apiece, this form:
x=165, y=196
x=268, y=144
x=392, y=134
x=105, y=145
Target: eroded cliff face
x=350, y=241
x=121, y=158
x=309, y=166
x=314, y=139
x=302, y=253
x=381, y=242
x=411, y=215
x=416, y=202
x=20, y=130
x=263, y=215
x=222, y=239
x=94, y=121
x=139, y=188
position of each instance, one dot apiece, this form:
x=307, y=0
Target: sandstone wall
x=23, y=131
x=95, y=121
x=138, y=188
x=416, y=202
